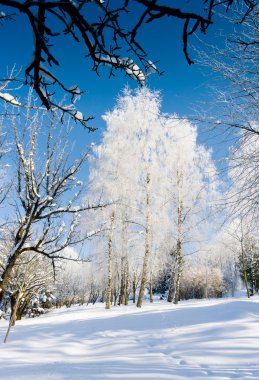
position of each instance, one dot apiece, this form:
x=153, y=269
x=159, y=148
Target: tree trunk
x=179, y=254
x=253, y=266
x=134, y=287
x=103, y=296
x=6, y=275
x=122, y=287
x=171, y=289
x=151, y=288
x=13, y=315
x=244, y=268
x=14, y=306
x=146, y=256
x=179, y=263
x=126, y=295
x=144, y=274
x=22, y=309
x=109, y=285
x=115, y=296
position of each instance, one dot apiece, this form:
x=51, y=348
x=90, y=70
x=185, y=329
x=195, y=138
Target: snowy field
x=216, y=339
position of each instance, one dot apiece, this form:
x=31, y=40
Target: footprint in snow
x=183, y=362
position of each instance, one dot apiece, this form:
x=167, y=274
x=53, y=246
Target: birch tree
x=124, y=165
x=190, y=188
x=161, y=180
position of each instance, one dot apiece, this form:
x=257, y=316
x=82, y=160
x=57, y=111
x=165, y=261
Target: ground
x=213, y=339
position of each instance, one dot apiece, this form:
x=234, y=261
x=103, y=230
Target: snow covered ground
x=216, y=339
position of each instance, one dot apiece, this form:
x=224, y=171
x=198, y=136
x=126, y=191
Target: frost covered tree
x=243, y=169
x=224, y=254
x=201, y=281
x=32, y=275
x=251, y=262
x=161, y=181
x=106, y=31
x=77, y=282
x=126, y=161
x=46, y=205
x=235, y=104
x=4, y=182
x=234, y=109
x=106, y=188
x=244, y=236
x=189, y=188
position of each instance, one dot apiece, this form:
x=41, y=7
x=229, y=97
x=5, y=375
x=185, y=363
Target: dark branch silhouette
x=100, y=26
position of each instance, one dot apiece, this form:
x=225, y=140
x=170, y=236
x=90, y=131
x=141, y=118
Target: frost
x=61, y=228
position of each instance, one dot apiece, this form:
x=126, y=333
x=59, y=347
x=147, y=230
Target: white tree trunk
x=146, y=256
x=179, y=253
x=110, y=257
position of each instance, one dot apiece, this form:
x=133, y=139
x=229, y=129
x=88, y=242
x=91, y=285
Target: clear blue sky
x=181, y=85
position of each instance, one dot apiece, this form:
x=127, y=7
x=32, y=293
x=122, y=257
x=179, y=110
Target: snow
x=9, y=98
x=152, y=67
x=216, y=339
x=78, y=115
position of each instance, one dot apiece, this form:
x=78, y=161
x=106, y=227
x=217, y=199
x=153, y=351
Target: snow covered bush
x=201, y=282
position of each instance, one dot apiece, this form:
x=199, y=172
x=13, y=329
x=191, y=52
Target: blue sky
x=181, y=85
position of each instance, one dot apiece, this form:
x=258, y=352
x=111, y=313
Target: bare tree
x=46, y=196
x=106, y=31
